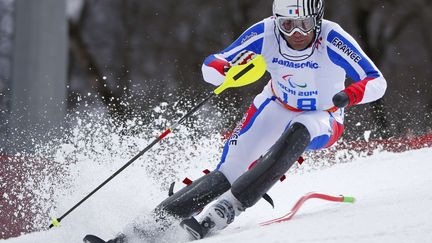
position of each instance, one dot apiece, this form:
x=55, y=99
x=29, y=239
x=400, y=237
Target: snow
x=393, y=192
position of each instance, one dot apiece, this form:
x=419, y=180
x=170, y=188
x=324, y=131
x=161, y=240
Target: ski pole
x=237, y=76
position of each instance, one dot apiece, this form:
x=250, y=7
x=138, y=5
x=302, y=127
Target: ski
x=194, y=228
x=93, y=239
x=302, y=200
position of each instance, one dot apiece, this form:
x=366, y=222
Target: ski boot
x=216, y=218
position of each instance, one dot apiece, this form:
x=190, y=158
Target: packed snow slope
x=393, y=192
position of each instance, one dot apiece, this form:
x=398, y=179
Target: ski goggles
x=289, y=25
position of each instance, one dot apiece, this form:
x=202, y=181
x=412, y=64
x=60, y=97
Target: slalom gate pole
x=237, y=76
x=303, y=199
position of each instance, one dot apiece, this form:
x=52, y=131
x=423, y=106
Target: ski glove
x=341, y=99
x=241, y=58
x=350, y=96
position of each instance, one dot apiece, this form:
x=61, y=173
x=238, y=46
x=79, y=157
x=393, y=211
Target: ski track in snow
x=393, y=192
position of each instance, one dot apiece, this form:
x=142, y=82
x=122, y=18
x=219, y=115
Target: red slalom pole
x=302, y=200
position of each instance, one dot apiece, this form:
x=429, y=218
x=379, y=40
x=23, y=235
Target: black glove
x=341, y=99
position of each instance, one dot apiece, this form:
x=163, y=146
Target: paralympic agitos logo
x=296, y=65
x=293, y=84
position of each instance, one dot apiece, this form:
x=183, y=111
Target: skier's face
x=299, y=41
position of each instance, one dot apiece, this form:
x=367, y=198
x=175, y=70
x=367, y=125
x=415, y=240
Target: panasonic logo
x=296, y=65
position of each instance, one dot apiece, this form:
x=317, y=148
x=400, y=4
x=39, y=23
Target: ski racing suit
x=299, y=91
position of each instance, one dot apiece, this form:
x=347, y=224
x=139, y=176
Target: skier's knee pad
x=192, y=198
x=254, y=183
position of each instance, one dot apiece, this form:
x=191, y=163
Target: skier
x=301, y=108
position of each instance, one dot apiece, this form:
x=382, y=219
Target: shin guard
x=191, y=199
x=252, y=185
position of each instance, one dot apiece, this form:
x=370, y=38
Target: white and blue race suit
x=299, y=91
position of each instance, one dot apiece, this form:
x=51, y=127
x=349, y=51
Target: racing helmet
x=303, y=16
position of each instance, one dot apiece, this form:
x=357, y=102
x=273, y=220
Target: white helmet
x=299, y=9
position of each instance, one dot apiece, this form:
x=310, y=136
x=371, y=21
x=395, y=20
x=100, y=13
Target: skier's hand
x=350, y=96
x=341, y=99
x=241, y=58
